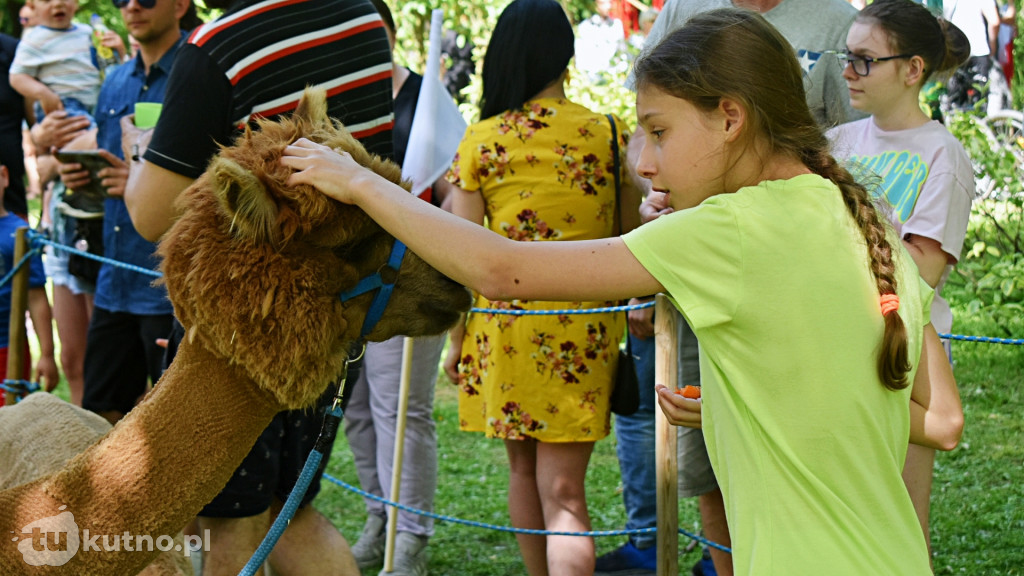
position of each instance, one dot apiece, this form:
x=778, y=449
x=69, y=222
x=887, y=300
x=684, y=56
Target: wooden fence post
x=665, y=370
x=16, y=327
x=396, y=470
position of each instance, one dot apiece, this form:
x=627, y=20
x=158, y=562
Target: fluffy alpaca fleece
x=253, y=269
x=40, y=434
x=294, y=250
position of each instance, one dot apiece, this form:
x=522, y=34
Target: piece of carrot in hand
x=692, y=392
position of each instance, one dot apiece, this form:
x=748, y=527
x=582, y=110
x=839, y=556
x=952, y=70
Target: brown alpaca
x=39, y=435
x=254, y=269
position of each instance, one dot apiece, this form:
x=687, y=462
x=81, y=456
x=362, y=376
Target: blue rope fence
x=14, y=270
x=985, y=339
x=520, y=312
x=20, y=388
x=38, y=240
x=562, y=312
x=499, y=528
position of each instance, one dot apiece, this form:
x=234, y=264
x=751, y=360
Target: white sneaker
x=369, y=549
x=410, y=556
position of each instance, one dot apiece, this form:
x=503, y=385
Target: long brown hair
x=737, y=54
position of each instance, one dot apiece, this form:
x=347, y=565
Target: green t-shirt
x=806, y=442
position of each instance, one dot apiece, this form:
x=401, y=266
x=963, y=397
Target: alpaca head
x=255, y=267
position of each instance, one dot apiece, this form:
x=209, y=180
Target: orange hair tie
x=890, y=303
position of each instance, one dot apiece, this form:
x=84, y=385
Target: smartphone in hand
x=92, y=193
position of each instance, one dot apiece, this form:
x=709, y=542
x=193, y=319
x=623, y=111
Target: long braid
x=893, y=360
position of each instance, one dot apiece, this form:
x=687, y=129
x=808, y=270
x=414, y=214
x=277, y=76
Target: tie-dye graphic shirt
x=926, y=178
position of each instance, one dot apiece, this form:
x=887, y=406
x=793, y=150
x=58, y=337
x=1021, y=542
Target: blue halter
x=380, y=301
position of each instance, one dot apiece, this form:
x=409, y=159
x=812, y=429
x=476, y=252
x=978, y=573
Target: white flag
x=437, y=127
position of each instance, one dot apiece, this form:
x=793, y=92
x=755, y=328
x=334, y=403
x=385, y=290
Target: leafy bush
x=1017, y=84
x=473, y=22
x=989, y=282
x=989, y=279
x=607, y=92
x=997, y=164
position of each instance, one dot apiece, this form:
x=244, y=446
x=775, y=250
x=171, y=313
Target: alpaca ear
x=242, y=195
x=312, y=108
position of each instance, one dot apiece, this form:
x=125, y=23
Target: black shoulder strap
x=616, y=169
x=615, y=154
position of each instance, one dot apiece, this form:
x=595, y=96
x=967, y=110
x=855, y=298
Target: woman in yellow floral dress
x=540, y=168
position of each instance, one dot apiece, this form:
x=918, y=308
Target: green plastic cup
x=146, y=114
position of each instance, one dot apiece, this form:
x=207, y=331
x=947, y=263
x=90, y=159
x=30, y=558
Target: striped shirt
x=62, y=60
x=257, y=60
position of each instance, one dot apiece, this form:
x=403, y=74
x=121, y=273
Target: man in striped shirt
x=254, y=62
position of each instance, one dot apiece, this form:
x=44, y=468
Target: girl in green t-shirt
x=788, y=276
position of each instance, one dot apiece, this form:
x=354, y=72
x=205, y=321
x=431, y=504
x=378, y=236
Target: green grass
x=978, y=496
x=977, y=504
x=473, y=485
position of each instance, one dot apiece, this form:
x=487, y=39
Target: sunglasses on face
x=862, y=64
x=147, y=4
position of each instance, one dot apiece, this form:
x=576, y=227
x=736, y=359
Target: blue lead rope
x=324, y=442
x=331, y=421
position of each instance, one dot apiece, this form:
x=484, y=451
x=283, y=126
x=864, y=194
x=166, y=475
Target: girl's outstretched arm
x=936, y=415
x=498, y=268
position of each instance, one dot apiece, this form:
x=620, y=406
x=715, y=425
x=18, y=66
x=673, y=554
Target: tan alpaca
x=254, y=269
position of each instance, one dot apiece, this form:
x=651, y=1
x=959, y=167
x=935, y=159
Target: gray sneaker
x=369, y=549
x=410, y=556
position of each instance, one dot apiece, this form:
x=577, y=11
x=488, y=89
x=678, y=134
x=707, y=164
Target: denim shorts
x=73, y=106
x=55, y=262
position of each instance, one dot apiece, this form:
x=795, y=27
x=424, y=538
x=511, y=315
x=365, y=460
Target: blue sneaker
x=704, y=566
x=627, y=560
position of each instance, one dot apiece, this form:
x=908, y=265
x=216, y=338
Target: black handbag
x=83, y=214
x=625, y=396
x=88, y=238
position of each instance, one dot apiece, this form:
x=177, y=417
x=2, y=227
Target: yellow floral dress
x=545, y=172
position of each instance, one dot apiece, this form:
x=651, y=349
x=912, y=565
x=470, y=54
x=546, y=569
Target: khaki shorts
x=694, y=466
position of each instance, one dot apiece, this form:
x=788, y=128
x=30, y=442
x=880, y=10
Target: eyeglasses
x=862, y=64
x=147, y=4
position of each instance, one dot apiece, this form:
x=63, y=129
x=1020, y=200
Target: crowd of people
x=783, y=186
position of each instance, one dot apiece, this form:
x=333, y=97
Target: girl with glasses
x=908, y=160
x=787, y=274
